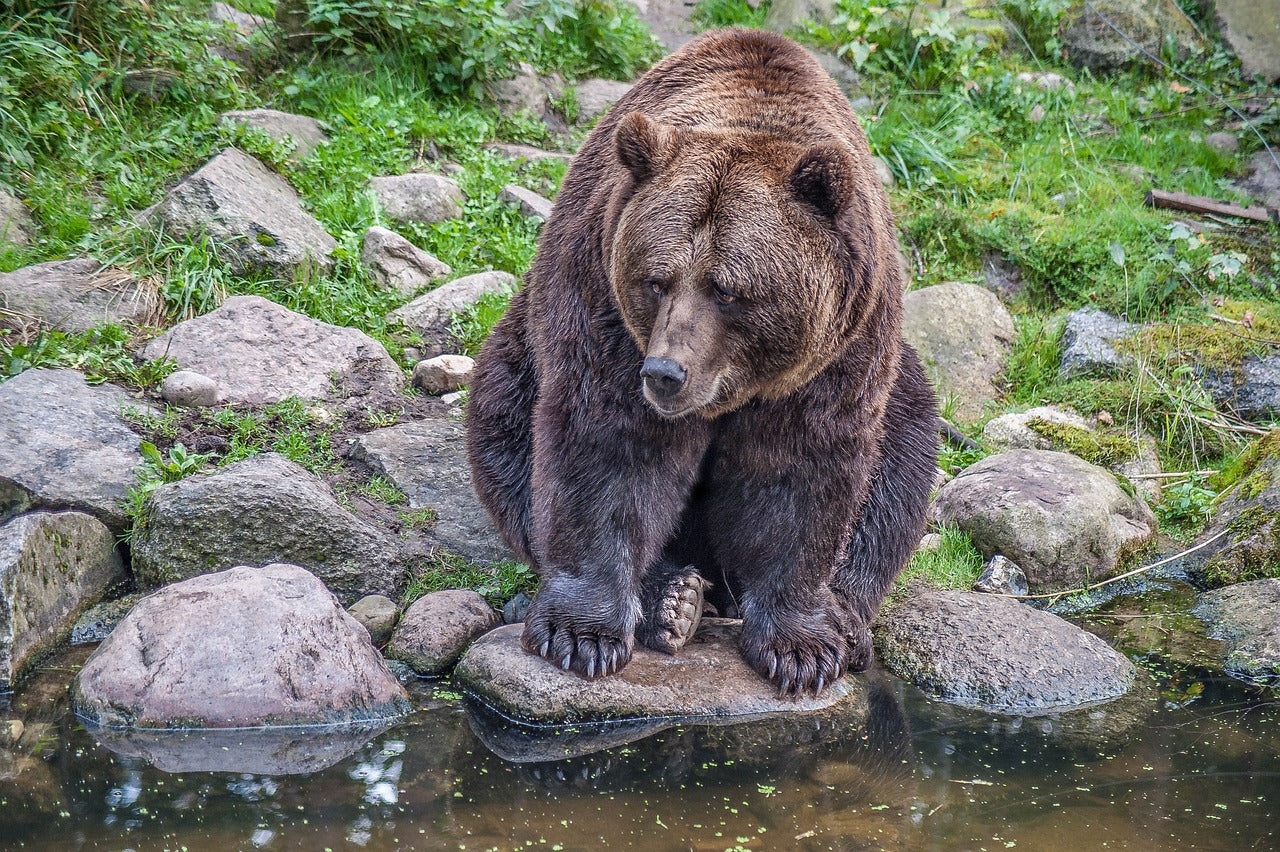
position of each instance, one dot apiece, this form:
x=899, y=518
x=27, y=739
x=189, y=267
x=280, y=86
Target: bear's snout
x=663, y=377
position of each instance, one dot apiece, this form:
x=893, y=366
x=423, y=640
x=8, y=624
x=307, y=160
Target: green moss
x=1093, y=447
x=1252, y=551
x=1246, y=464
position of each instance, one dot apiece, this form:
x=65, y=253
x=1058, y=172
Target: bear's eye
x=657, y=286
x=723, y=294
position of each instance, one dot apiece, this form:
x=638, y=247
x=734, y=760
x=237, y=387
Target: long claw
x=564, y=662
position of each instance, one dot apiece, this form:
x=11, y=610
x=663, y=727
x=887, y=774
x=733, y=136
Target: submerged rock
x=1064, y=521
x=963, y=334
x=99, y=620
x=707, y=678
x=260, y=510
x=64, y=445
x=247, y=647
x=77, y=295
x=998, y=655
x=427, y=460
x=259, y=353
x=438, y=627
x=1246, y=617
x=52, y=566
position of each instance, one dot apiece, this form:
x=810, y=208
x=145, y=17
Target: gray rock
x=963, y=334
x=1252, y=391
x=99, y=620
x=427, y=460
x=1001, y=277
x=260, y=510
x=1100, y=35
x=77, y=295
x=596, y=96
x=443, y=373
x=1253, y=31
x=1262, y=179
x=378, y=614
x=1064, y=521
x=998, y=655
x=708, y=678
x=431, y=313
x=189, y=389
x=259, y=352
x=1001, y=576
x=253, y=215
x=526, y=93
x=513, y=611
x=52, y=566
x=418, y=197
x=527, y=153
x=247, y=647
x=883, y=171
x=1222, y=141
x=531, y=204
x=438, y=627
x=16, y=224
x=244, y=22
x=846, y=77
x=1011, y=432
x=303, y=132
x=397, y=264
x=1088, y=344
x=1246, y=617
x=785, y=15
x=63, y=445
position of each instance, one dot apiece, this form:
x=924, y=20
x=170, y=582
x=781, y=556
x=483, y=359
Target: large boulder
x=77, y=295
x=1089, y=339
x=1253, y=31
x=251, y=213
x=260, y=510
x=708, y=678
x=16, y=225
x=963, y=334
x=246, y=647
x=427, y=460
x=1246, y=617
x=596, y=96
x=418, y=197
x=52, y=566
x=260, y=352
x=63, y=445
x=397, y=264
x=438, y=627
x=432, y=313
x=1065, y=521
x=1101, y=34
x=1243, y=539
x=302, y=131
x=998, y=655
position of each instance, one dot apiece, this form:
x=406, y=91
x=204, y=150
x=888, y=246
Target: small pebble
x=190, y=389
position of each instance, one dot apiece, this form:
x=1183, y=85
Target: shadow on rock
x=260, y=751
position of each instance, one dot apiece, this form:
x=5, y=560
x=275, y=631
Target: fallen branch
x=1203, y=204
x=1178, y=475
x=1126, y=575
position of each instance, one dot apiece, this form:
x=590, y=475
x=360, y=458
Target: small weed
x=417, y=520
x=384, y=491
x=1185, y=506
x=104, y=355
x=380, y=419
x=443, y=570
x=157, y=469
x=953, y=564
x=471, y=327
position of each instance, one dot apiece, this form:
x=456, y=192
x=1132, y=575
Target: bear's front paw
x=672, y=616
x=800, y=652
x=568, y=631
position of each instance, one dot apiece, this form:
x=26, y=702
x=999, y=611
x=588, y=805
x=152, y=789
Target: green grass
x=103, y=354
x=471, y=327
x=710, y=14
x=498, y=583
x=384, y=491
x=954, y=564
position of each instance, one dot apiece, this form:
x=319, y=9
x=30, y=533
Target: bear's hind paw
x=671, y=621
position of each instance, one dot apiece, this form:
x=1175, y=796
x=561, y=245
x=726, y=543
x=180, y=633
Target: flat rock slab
x=427, y=460
x=243, y=648
x=76, y=295
x=259, y=353
x=963, y=334
x=63, y=445
x=418, y=197
x=1063, y=520
x=1089, y=339
x=52, y=566
x=303, y=131
x=1246, y=617
x=431, y=312
x=251, y=212
x=708, y=678
x=260, y=510
x=998, y=655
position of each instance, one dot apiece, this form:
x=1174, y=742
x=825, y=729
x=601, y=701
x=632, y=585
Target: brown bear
x=705, y=379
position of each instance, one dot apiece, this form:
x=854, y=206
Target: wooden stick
x=1201, y=204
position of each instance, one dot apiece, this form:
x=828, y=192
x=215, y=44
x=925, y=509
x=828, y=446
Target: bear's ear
x=643, y=146
x=823, y=178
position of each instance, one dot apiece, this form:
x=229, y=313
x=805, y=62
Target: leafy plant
x=1186, y=505
x=498, y=582
x=158, y=468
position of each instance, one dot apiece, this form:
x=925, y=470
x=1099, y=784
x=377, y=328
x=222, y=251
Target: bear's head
x=741, y=263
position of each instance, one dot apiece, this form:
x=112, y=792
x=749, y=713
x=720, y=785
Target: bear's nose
x=663, y=376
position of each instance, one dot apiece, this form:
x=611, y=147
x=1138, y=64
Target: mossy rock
x=1246, y=520
x=1094, y=447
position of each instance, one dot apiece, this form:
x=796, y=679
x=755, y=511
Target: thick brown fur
x=725, y=218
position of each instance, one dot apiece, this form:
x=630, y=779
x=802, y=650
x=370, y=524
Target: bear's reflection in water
x=863, y=743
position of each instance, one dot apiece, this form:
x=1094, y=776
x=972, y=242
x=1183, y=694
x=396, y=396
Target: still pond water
x=1183, y=768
